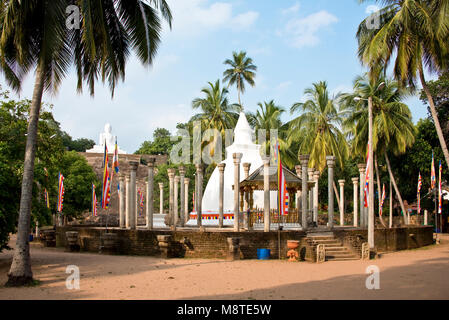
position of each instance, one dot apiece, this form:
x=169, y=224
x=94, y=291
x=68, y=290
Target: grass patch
x=34, y=283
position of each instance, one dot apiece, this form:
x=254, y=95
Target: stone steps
x=333, y=247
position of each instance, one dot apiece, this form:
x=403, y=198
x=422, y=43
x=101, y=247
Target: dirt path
x=414, y=274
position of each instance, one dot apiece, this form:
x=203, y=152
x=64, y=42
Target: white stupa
x=106, y=137
x=243, y=143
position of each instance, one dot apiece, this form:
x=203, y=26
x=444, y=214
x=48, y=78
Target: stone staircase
x=334, y=249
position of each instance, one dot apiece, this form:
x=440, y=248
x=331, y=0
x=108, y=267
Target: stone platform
x=213, y=242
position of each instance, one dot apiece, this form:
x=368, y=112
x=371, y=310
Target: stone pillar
x=362, y=168
x=132, y=195
x=316, y=178
x=342, y=201
x=330, y=190
x=237, y=158
x=310, y=172
x=171, y=181
x=150, y=196
x=390, y=222
x=246, y=168
x=175, y=201
x=127, y=203
x=199, y=195
x=137, y=206
x=161, y=198
x=221, y=169
x=425, y=218
x=186, y=200
x=122, y=200
x=355, y=182
x=304, y=159
x=266, y=194
x=182, y=173
x=298, y=193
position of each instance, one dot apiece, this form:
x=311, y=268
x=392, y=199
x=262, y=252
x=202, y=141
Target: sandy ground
x=414, y=274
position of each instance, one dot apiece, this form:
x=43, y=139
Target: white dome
x=243, y=143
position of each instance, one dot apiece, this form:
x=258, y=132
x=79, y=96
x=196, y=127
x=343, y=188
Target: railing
x=256, y=216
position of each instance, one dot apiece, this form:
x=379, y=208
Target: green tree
x=393, y=129
x=439, y=90
x=78, y=180
x=417, y=159
x=241, y=70
x=415, y=33
x=268, y=117
x=317, y=129
x=13, y=125
x=216, y=111
x=35, y=37
x=162, y=143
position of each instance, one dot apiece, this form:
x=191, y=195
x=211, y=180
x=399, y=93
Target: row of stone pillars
x=178, y=208
x=128, y=196
x=306, y=200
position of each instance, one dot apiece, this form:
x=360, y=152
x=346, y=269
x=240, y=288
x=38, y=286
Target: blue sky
x=293, y=44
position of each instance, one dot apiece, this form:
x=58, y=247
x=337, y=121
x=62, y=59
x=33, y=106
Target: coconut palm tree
x=216, y=111
x=268, y=117
x=241, y=70
x=416, y=33
x=318, y=128
x=393, y=129
x=35, y=37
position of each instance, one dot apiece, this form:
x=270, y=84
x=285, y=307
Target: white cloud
x=283, y=85
x=342, y=88
x=244, y=20
x=194, y=17
x=302, y=32
x=292, y=9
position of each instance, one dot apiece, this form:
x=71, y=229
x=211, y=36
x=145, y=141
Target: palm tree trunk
x=336, y=193
x=20, y=272
x=238, y=92
x=433, y=111
x=395, y=187
x=379, y=190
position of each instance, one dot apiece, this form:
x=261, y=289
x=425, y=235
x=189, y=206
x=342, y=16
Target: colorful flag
x=140, y=201
x=115, y=163
x=367, y=173
x=60, y=191
x=382, y=201
x=46, y=199
x=432, y=174
x=106, y=191
x=94, y=201
x=282, y=183
x=419, y=193
x=440, y=198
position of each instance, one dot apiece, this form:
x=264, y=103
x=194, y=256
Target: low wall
x=393, y=239
x=206, y=244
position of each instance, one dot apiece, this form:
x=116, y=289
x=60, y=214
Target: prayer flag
x=432, y=174
x=440, y=198
x=419, y=193
x=382, y=201
x=60, y=191
x=94, y=201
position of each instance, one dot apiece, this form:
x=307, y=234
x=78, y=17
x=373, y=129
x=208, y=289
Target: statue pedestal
x=159, y=220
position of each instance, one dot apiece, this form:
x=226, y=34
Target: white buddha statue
x=106, y=137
